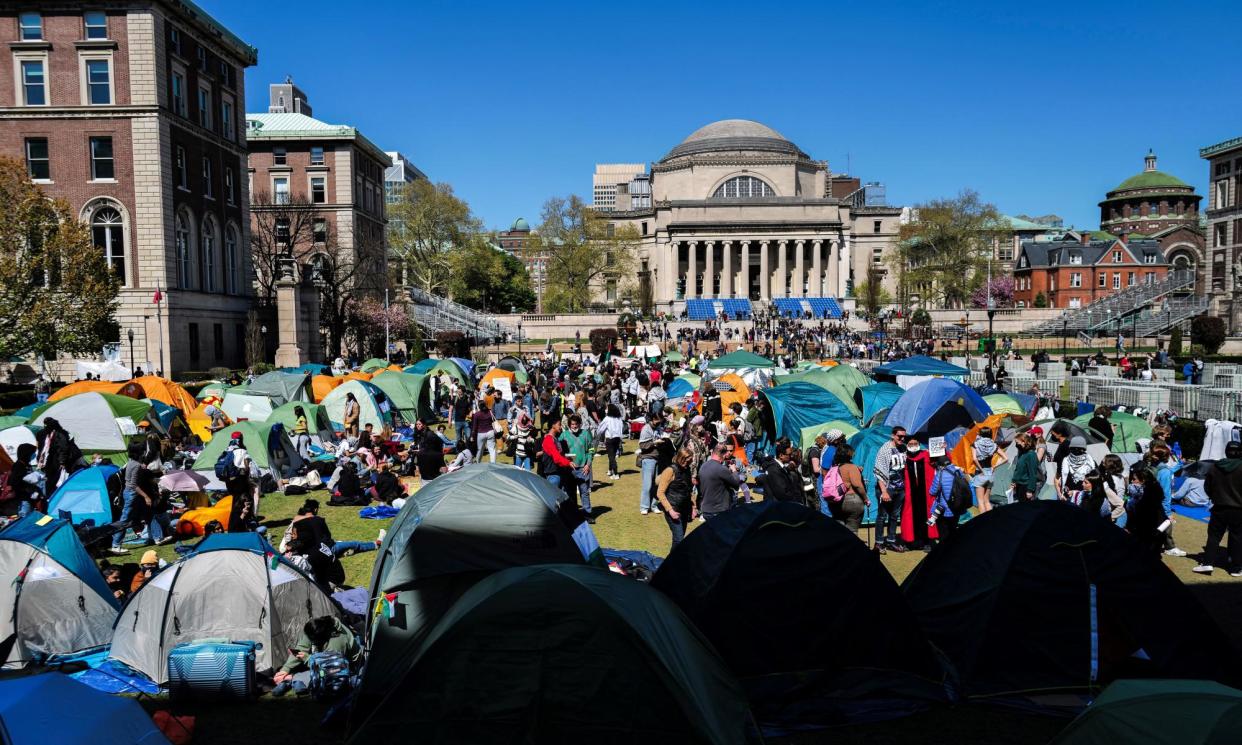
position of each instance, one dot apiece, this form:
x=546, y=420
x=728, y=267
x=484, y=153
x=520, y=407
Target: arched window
x=108, y=234
x=230, y=260
x=209, y=255
x=743, y=187
x=181, y=230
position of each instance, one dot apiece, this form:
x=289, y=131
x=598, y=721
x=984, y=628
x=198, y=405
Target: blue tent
x=55, y=708
x=310, y=368
x=57, y=539
x=466, y=366
x=680, y=387
x=422, y=366
x=84, y=495
x=935, y=406
x=793, y=406
x=877, y=397
x=27, y=410
x=919, y=364
x=867, y=443
x=163, y=413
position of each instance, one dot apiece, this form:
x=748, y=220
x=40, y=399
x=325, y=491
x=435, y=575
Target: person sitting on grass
x=322, y=634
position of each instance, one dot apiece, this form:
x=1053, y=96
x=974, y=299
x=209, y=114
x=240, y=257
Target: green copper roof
x=1150, y=180
x=1017, y=223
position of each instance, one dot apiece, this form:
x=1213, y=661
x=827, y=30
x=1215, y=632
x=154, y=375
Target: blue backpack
x=226, y=468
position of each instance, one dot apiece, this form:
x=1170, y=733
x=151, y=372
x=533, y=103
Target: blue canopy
x=793, y=406
x=84, y=495
x=867, y=443
x=934, y=407
x=877, y=397
x=56, y=708
x=57, y=539
x=680, y=387
x=920, y=365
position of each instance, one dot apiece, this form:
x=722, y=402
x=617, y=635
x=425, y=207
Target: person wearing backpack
x=233, y=468
x=844, y=494
x=951, y=496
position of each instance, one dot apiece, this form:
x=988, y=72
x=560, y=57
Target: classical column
x=817, y=269
x=799, y=279
x=726, y=269
x=782, y=269
x=709, y=274
x=834, y=269
x=692, y=270
x=765, y=274
x=744, y=277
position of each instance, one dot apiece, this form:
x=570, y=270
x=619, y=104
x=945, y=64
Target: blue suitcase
x=212, y=670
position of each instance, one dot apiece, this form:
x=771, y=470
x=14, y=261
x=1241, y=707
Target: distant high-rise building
x=400, y=173
x=608, y=177
x=1223, y=257
x=287, y=98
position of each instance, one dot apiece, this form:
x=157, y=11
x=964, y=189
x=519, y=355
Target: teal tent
x=739, y=358
x=867, y=444
x=422, y=366
x=842, y=381
x=795, y=406
x=1157, y=712
x=84, y=496
x=374, y=364
x=920, y=364
x=878, y=398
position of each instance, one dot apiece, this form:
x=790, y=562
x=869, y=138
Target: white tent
x=253, y=406
x=12, y=437
x=93, y=421
x=371, y=401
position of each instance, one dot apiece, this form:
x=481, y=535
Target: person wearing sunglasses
x=890, y=487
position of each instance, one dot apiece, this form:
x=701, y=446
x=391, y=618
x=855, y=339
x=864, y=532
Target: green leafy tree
x=870, y=294
x=1208, y=331
x=426, y=225
x=1175, y=342
x=1041, y=301
x=489, y=279
x=57, y=291
x=921, y=318
x=584, y=253
x=943, y=250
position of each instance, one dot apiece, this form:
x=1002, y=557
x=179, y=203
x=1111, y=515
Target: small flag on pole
x=157, y=297
x=274, y=560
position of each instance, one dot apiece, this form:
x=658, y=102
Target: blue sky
x=1040, y=107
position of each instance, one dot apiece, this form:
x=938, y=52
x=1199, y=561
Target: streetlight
x=498, y=341
x=263, y=331
x=1064, y=333
x=133, y=371
x=991, y=313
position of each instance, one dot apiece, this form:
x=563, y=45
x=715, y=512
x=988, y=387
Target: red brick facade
x=1075, y=273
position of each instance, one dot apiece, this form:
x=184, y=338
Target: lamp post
x=263, y=331
x=498, y=341
x=1064, y=333
x=133, y=371
x=991, y=313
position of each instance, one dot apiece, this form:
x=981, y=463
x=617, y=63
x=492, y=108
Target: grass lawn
x=619, y=525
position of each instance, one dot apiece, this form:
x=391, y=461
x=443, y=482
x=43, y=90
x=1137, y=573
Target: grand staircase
x=440, y=314
x=1152, y=307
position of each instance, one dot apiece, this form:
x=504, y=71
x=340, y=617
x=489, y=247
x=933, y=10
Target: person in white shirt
x=610, y=430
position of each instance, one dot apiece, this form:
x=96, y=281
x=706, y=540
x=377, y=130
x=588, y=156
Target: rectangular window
x=204, y=108
x=875, y=227
x=1150, y=278
x=230, y=186
x=644, y=227
x=1076, y=279
x=30, y=26
x=101, y=159
x=280, y=190
x=179, y=167
x=34, y=87
x=178, y=93
x=319, y=189
x=1103, y=280
x=1219, y=234
x=1116, y=257
x=1221, y=195
x=279, y=156
x=37, y=163
x=217, y=340
x=208, y=190
x=98, y=82
x=1116, y=280
x=202, y=58
x=321, y=231
x=316, y=155
x=194, y=353
x=226, y=119
x=1129, y=279
x=174, y=39
x=96, y=24
x=282, y=231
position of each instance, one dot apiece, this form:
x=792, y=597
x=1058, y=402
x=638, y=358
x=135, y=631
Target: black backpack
x=961, y=497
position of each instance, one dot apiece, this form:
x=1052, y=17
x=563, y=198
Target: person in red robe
x=917, y=508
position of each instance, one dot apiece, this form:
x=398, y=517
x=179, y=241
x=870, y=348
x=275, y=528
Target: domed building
x=740, y=213
x=1157, y=205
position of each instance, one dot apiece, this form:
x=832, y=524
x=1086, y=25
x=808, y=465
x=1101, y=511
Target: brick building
x=515, y=241
x=131, y=111
x=1076, y=269
x=331, y=169
x=1224, y=229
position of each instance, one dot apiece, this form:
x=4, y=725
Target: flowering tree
x=370, y=318
x=1002, y=293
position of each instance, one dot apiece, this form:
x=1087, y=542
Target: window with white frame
x=1129, y=279
x=316, y=155
x=1221, y=194
x=280, y=156
x=1116, y=280
x=209, y=255
x=743, y=187
x=108, y=234
x=204, y=108
x=38, y=162
x=95, y=24
x=280, y=190
x=102, y=164
x=1103, y=280
x=1075, y=257
x=97, y=73
x=226, y=119
x=1116, y=257
x=231, y=261
x=1076, y=279
x=30, y=27
x=181, y=239
x=34, y=82
x=319, y=189
x=209, y=190
x=1149, y=258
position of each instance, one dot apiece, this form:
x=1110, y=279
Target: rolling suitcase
x=212, y=670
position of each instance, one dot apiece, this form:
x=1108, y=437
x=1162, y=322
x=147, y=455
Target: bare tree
x=281, y=230
x=343, y=275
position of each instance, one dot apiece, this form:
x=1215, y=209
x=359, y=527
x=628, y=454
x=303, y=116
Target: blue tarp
x=878, y=397
x=104, y=674
x=920, y=364
x=85, y=496
x=55, y=708
x=378, y=512
x=793, y=406
x=867, y=443
x=934, y=407
x=56, y=539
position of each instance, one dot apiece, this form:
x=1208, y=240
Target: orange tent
x=395, y=368
x=357, y=375
x=827, y=363
x=960, y=454
x=85, y=386
x=739, y=393
x=192, y=522
x=322, y=385
x=167, y=392
x=494, y=374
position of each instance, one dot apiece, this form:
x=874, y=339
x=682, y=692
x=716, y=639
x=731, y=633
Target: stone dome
x=735, y=135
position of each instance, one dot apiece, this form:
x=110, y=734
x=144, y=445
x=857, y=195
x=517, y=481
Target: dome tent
x=317, y=422
x=373, y=365
x=280, y=387
x=933, y=407
x=843, y=381
x=372, y=404
x=55, y=708
x=85, y=495
x=877, y=399
x=98, y=422
x=239, y=406
x=451, y=534
x=54, y=601
x=1088, y=605
x=267, y=443
x=812, y=578
x=793, y=406
x=408, y=392
x=233, y=585
x=1156, y=712
x=539, y=654
x=1127, y=430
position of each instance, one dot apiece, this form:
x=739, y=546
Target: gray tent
x=281, y=387
x=560, y=653
x=228, y=588
x=469, y=524
x=52, y=598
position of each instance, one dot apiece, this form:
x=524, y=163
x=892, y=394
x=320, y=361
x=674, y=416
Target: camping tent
x=755, y=370
x=99, y=422
x=316, y=419
x=54, y=600
x=84, y=386
x=1003, y=403
x=280, y=387
x=683, y=385
x=732, y=390
x=808, y=435
x=436, y=366
x=422, y=366
x=162, y=389
x=199, y=423
x=1158, y=712
x=1127, y=430
x=310, y=368
x=373, y=365
x=842, y=381
x=517, y=367
x=408, y=392
x=497, y=373
x=935, y=406
x=13, y=437
x=357, y=375
x=911, y=371
x=867, y=443
x=55, y=708
x=1088, y=604
x=85, y=495
x=373, y=404
x=267, y=443
x=322, y=385
x=812, y=578
x=450, y=534
x=255, y=407
x=542, y=653
x=877, y=399
x=959, y=451
x=162, y=416
x=794, y=406
x=233, y=585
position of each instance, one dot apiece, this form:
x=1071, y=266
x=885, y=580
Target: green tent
x=213, y=388
x=1002, y=403
x=257, y=437
x=674, y=356
x=739, y=358
x=373, y=364
x=98, y=422
x=449, y=367
x=317, y=420
x=1127, y=430
x=408, y=392
x=807, y=438
x=544, y=651
x=279, y=386
x=11, y=421
x=1157, y=712
x=842, y=381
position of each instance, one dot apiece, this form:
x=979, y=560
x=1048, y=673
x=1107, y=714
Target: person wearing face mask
x=890, y=486
x=1078, y=464
x=916, y=531
x=1147, y=520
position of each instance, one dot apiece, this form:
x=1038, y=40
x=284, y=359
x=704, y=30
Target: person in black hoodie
x=23, y=480
x=1223, y=486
